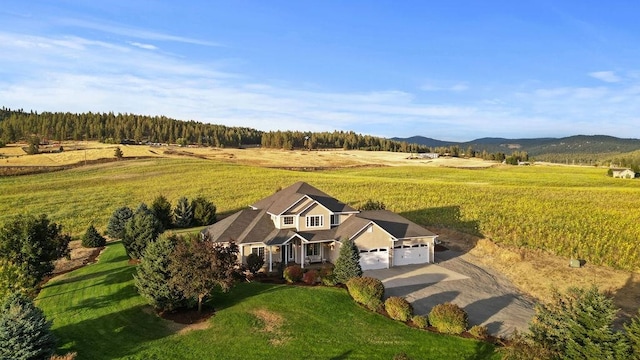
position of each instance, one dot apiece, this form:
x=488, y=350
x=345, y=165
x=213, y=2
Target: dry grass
x=538, y=273
x=272, y=325
x=77, y=152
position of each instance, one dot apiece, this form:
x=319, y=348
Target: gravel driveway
x=488, y=297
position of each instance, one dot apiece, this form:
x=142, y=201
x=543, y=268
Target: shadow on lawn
x=114, y=335
x=445, y=216
x=483, y=351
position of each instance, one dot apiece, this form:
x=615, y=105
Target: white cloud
x=143, y=46
x=606, y=76
x=443, y=86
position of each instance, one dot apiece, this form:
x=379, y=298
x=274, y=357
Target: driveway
x=488, y=297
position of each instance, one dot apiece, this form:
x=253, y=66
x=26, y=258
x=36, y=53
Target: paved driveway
x=488, y=297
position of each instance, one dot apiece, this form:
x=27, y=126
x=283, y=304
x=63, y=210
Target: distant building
x=429, y=155
x=623, y=173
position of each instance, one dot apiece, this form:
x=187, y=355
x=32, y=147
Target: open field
x=539, y=210
x=97, y=312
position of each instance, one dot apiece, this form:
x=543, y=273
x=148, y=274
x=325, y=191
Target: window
x=313, y=249
x=258, y=251
x=287, y=220
x=335, y=219
x=315, y=221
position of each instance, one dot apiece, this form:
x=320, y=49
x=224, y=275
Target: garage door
x=374, y=259
x=408, y=254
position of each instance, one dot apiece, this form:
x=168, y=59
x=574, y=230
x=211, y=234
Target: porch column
x=302, y=259
x=270, y=258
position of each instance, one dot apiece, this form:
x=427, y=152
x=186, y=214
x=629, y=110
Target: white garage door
x=374, y=259
x=407, y=254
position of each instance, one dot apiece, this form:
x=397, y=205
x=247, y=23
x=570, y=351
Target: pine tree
x=579, y=325
x=183, y=213
x=161, y=208
x=153, y=275
x=118, y=153
x=142, y=229
x=633, y=335
x=117, y=222
x=348, y=262
x=92, y=238
x=25, y=333
x=204, y=211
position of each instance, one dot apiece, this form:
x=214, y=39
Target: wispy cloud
x=118, y=29
x=606, y=76
x=440, y=86
x=143, y=46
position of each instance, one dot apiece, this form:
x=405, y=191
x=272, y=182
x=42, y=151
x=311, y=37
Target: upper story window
x=315, y=221
x=287, y=220
x=335, y=220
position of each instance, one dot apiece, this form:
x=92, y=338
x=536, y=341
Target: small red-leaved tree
x=199, y=265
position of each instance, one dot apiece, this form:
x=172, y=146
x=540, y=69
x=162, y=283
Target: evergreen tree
x=25, y=333
x=153, y=275
x=118, y=220
x=204, y=211
x=183, y=213
x=579, y=325
x=633, y=335
x=33, y=244
x=92, y=238
x=142, y=229
x=348, y=263
x=161, y=208
x=13, y=279
x=118, y=153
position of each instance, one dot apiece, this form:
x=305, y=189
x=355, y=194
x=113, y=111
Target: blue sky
x=451, y=70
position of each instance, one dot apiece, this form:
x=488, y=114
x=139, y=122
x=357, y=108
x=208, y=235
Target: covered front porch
x=295, y=250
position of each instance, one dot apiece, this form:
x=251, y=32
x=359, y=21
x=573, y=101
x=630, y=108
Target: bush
x=448, y=318
x=398, y=308
x=420, y=321
x=310, y=277
x=254, y=263
x=327, y=277
x=367, y=291
x=92, y=238
x=293, y=273
x=479, y=332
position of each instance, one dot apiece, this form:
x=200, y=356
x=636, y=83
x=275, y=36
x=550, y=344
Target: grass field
x=570, y=211
x=96, y=312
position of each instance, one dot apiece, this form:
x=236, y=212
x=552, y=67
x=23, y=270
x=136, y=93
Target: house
x=301, y=224
x=623, y=173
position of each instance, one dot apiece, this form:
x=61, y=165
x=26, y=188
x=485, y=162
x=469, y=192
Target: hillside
x=540, y=147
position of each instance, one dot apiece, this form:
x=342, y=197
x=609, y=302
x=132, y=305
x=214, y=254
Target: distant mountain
x=578, y=144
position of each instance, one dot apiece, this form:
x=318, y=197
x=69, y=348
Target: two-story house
x=301, y=224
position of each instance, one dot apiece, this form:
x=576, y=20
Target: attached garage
x=410, y=254
x=374, y=259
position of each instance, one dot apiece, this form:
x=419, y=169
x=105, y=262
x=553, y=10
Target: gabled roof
x=396, y=225
x=282, y=200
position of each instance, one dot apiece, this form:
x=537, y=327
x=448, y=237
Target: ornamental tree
x=92, y=238
x=204, y=211
x=199, y=265
x=348, y=263
x=183, y=213
x=25, y=333
x=142, y=229
x=161, y=208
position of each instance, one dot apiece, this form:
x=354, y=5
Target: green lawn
x=97, y=312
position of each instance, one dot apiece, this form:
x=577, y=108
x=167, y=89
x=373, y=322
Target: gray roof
x=395, y=224
x=285, y=198
x=255, y=226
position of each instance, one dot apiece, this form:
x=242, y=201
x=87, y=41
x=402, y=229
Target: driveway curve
x=488, y=297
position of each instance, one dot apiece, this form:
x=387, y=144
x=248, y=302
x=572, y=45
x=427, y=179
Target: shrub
x=448, y=318
x=367, y=291
x=420, y=321
x=479, y=332
x=329, y=280
x=292, y=273
x=92, y=238
x=254, y=263
x=398, y=308
x=310, y=277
